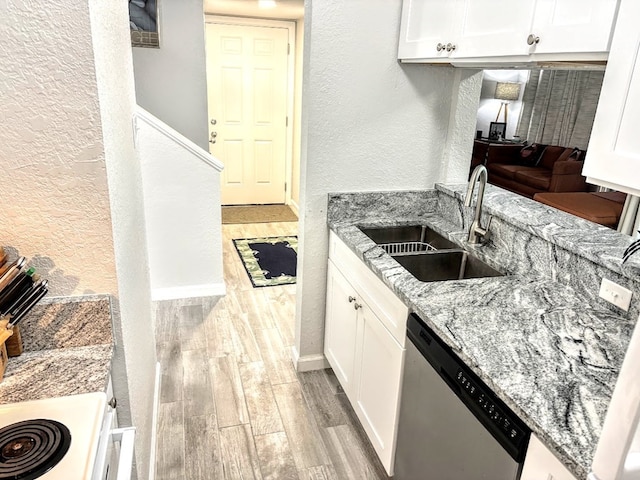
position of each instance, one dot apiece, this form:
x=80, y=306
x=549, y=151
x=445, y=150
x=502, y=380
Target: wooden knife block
x=5, y=334
x=14, y=343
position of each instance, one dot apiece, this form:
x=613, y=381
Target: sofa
x=535, y=168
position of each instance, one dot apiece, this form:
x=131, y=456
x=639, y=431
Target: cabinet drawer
x=391, y=311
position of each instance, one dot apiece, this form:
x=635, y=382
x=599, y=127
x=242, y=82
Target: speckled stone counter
x=540, y=344
x=68, y=349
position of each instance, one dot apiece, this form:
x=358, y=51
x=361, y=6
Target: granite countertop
x=537, y=343
x=67, y=350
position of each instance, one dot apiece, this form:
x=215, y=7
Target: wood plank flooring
x=232, y=405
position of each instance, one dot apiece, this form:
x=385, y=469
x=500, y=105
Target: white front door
x=247, y=70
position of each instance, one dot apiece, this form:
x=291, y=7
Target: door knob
x=213, y=136
x=352, y=299
x=213, y=121
x=451, y=47
x=356, y=306
x=440, y=47
x=532, y=39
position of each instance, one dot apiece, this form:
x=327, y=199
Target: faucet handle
x=489, y=223
x=485, y=233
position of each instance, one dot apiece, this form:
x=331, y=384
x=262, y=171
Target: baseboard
x=294, y=208
x=173, y=293
x=154, y=423
x=308, y=362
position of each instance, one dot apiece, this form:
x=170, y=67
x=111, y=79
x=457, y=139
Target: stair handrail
x=143, y=115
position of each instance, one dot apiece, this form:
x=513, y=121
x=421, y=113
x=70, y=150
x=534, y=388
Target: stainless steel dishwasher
x=452, y=426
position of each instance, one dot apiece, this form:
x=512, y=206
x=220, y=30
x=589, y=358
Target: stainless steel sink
x=447, y=265
x=408, y=234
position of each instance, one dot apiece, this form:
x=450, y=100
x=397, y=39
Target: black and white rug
x=269, y=261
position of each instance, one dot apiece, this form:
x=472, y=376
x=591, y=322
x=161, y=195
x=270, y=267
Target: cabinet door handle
x=352, y=299
x=440, y=47
x=532, y=39
x=356, y=306
x=451, y=47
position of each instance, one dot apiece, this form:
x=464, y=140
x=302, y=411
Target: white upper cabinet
x=495, y=31
x=573, y=26
x=494, y=28
x=613, y=156
x=427, y=26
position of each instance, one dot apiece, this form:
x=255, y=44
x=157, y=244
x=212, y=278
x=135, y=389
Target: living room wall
x=489, y=106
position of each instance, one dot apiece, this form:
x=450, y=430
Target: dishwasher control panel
x=492, y=411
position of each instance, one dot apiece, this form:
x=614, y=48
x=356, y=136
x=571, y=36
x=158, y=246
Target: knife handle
x=11, y=272
x=27, y=308
x=26, y=297
x=11, y=310
x=21, y=283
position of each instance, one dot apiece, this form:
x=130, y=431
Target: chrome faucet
x=477, y=234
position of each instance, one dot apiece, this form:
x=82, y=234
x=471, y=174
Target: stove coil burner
x=31, y=448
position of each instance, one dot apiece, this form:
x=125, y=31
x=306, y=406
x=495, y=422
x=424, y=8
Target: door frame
x=291, y=32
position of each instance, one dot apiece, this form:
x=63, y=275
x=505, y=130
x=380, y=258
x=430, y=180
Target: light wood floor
x=232, y=406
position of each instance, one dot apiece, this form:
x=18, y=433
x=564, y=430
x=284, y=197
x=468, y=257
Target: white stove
x=68, y=438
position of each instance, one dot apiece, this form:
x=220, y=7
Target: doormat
x=269, y=261
x=258, y=214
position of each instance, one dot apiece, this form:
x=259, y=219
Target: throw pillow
x=577, y=154
x=530, y=155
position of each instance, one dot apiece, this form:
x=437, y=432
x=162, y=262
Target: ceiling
x=284, y=9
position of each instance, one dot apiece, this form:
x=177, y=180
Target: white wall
x=462, y=120
x=182, y=212
x=54, y=203
x=369, y=123
x=489, y=106
x=297, y=114
x=135, y=359
x=171, y=81
x=70, y=195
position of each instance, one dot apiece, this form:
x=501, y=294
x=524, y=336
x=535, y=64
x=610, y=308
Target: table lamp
x=506, y=91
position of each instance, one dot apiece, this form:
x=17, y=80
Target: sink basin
x=408, y=234
x=449, y=265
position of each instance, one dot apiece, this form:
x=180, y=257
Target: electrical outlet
x=614, y=293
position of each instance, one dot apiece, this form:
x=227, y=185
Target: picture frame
x=497, y=130
x=143, y=22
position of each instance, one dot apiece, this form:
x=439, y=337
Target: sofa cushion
x=568, y=154
x=590, y=206
x=617, y=197
x=551, y=155
x=507, y=171
x=537, y=178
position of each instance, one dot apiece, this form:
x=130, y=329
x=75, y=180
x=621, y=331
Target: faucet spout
x=477, y=234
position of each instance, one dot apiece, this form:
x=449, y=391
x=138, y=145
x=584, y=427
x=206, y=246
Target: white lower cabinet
x=340, y=328
x=541, y=464
x=365, y=355
x=377, y=391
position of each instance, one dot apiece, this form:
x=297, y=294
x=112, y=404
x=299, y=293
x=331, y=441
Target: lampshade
x=507, y=91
